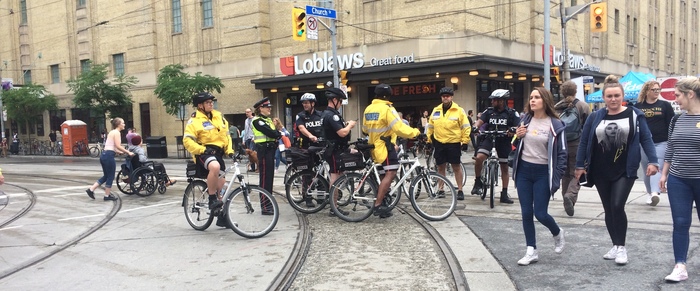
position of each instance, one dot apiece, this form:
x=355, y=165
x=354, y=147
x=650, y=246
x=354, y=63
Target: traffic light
x=298, y=24
x=599, y=17
x=343, y=76
x=554, y=77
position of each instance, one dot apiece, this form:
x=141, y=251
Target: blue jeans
x=532, y=182
x=652, y=183
x=108, y=168
x=278, y=159
x=681, y=194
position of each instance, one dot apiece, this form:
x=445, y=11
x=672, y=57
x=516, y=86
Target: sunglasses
x=655, y=90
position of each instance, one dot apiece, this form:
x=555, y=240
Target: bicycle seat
x=315, y=149
x=364, y=147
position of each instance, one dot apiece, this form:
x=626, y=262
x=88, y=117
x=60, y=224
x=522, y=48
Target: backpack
x=572, y=121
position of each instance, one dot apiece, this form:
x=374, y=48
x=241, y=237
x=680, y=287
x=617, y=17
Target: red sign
x=415, y=89
x=668, y=88
x=287, y=66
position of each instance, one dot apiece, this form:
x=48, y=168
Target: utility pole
x=546, y=45
x=2, y=109
x=566, y=15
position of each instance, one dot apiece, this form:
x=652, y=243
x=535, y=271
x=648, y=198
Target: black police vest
x=500, y=120
x=313, y=123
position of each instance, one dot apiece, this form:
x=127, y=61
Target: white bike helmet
x=308, y=97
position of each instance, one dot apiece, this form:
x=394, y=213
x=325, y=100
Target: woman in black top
x=658, y=113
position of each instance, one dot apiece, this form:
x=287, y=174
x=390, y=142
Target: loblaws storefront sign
x=576, y=62
x=319, y=63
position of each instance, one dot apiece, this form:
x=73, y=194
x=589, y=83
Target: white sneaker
x=649, y=199
x=559, y=242
x=612, y=253
x=679, y=274
x=530, y=257
x=621, y=258
x=654, y=199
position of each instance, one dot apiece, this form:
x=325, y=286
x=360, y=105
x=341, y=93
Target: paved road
x=148, y=244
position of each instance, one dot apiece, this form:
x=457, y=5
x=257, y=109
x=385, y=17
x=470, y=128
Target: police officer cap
x=335, y=93
x=382, y=90
x=265, y=102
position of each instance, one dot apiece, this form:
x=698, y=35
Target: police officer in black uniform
x=498, y=117
x=337, y=132
x=265, y=137
x=309, y=122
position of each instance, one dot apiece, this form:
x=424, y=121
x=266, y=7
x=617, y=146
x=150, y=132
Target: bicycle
x=307, y=189
x=449, y=173
x=491, y=167
x=80, y=148
x=361, y=188
x=247, y=214
x=97, y=149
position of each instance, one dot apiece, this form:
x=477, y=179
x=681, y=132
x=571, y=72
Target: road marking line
x=150, y=206
x=60, y=189
x=11, y=227
x=81, y=217
x=71, y=194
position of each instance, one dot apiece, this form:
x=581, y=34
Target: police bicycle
x=491, y=167
x=353, y=194
x=307, y=188
x=449, y=173
x=249, y=210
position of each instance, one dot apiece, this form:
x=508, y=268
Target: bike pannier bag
x=351, y=162
x=300, y=158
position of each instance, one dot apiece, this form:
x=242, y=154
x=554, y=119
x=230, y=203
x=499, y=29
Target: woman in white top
x=113, y=144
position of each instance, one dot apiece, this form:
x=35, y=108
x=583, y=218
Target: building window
x=27, y=77
x=118, y=61
x=84, y=66
x=81, y=3
x=617, y=21
x=23, y=10
x=177, y=16
x=56, y=118
x=207, y=14
x=55, y=77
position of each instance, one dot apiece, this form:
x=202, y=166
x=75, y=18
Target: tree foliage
x=95, y=90
x=23, y=105
x=176, y=87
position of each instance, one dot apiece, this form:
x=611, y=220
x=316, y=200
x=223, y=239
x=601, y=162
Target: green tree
x=175, y=88
x=23, y=105
x=107, y=96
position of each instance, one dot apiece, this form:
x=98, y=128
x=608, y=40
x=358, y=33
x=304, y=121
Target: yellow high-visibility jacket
x=381, y=120
x=449, y=127
x=202, y=131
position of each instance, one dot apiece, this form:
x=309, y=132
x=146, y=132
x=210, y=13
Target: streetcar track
x=25, y=210
x=71, y=242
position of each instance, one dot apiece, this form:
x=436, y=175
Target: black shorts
x=204, y=160
x=392, y=160
x=503, y=148
x=448, y=153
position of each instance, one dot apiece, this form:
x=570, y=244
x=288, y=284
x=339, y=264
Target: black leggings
x=614, y=195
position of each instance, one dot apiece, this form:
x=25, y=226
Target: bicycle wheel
x=307, y=192
x=253, y=214
x=144, y=181
x=94, y=151
x=433, y=206
x=484, y=180
x=76, y=151
x=352, y=198
x=393, y=200
x=124, y=183
x=493, y=168
x=196, y=205
x=288, y=173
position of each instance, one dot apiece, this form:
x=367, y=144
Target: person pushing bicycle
x=449, y=131
x=497, y=117
x=379, y=123
x=206, y=138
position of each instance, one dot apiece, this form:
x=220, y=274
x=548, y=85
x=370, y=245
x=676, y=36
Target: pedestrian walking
x=113, y=145
x=4, y=147
x=265, y=137
x=573, y=112
x=681, y=171
x=540, y=161
x=449, y=131
x=658, y=114
x=15, y=144
x=609, y=157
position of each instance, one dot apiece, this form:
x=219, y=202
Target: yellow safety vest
x=258, y=136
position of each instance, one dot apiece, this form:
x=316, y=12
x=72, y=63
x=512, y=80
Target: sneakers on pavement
x=440, y=194
x=648, y=198
x=310, y=202
x=621, y=257
x=654, y=199
x=559, y=242
x=476, y=190
x=505, y=199
x=90, y=193
x=530, y=257
x=569, y=206
x=612, y=254
x=679, y=274
x=111, y=197
x=460, y=195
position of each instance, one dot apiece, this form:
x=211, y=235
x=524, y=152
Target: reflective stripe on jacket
x=259, y=136
x=381, y=120
x=449, y=127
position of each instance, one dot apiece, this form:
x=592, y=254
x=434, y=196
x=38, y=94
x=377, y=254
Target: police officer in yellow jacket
x=265, y=137
x=206, y=138
x=380, y=122
x=449, y=131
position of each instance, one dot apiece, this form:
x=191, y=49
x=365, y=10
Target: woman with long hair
x=658, y=113
x=610, y=155
x=281, y=147
x=540, y=161
x=113, y=145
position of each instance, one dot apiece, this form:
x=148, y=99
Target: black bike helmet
x=335, y=93
x=382, y=90
x=500, y=94
x=447, y=91
x=201, y=97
